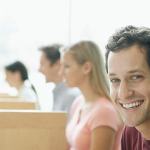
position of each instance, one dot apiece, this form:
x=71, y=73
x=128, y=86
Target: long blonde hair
x=88, y=51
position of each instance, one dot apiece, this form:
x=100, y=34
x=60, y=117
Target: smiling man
x=128, y=67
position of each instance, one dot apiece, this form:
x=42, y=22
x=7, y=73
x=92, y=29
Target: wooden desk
x=17, y=105
x=25, y=130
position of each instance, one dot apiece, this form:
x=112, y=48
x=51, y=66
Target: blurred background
x=26, y=25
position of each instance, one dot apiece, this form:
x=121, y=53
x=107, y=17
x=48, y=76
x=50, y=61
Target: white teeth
x=131, y=105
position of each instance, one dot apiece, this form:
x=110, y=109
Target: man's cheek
x=112, y=94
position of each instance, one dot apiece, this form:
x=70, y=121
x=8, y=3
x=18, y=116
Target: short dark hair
x=20, y=67
x=52, y=52
x=127, y=37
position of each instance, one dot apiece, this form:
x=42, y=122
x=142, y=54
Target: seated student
x=50, y=66
x=17, y=76
x=94, y=123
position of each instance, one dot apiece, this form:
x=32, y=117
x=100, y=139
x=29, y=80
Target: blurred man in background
x=50, y=66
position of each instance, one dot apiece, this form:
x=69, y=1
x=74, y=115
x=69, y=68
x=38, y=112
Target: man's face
x=47, y=68
x=129, y=76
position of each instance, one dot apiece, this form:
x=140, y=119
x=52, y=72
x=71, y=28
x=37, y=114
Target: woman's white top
x=27, y=93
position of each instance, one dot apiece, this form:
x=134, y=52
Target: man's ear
x=58, y=66
x=58, y=62
x=87, y=67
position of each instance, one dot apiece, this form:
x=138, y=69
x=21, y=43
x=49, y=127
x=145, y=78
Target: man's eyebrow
x=136, y=71
x=129, y=72
x=111, y=74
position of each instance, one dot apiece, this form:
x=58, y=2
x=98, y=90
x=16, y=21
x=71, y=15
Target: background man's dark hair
x=52, y=52
x=129, y=36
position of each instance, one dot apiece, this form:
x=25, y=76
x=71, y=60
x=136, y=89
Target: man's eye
x=136, y=77
x=114, y=80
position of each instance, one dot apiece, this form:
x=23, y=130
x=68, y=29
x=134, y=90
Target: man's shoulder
x=133, y=140
x=63, y=89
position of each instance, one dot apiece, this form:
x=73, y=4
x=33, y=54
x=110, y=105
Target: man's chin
x=130, y=123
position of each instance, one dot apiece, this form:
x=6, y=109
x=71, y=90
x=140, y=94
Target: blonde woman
x=94, y=123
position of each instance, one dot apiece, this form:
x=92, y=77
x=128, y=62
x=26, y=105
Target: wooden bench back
x=17, y=105
x=25, y=130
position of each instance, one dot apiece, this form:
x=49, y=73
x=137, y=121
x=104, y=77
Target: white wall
x=26, y=25
x=97, y=19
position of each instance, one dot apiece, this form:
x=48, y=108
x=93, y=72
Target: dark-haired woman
x=17, y=76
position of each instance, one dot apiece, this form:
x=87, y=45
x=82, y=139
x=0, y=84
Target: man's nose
x=124, y=90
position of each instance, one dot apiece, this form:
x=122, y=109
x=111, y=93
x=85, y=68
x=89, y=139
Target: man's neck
x=55, y=80
x=144, y=129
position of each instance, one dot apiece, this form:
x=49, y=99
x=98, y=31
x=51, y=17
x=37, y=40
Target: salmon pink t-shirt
x=101, y=113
